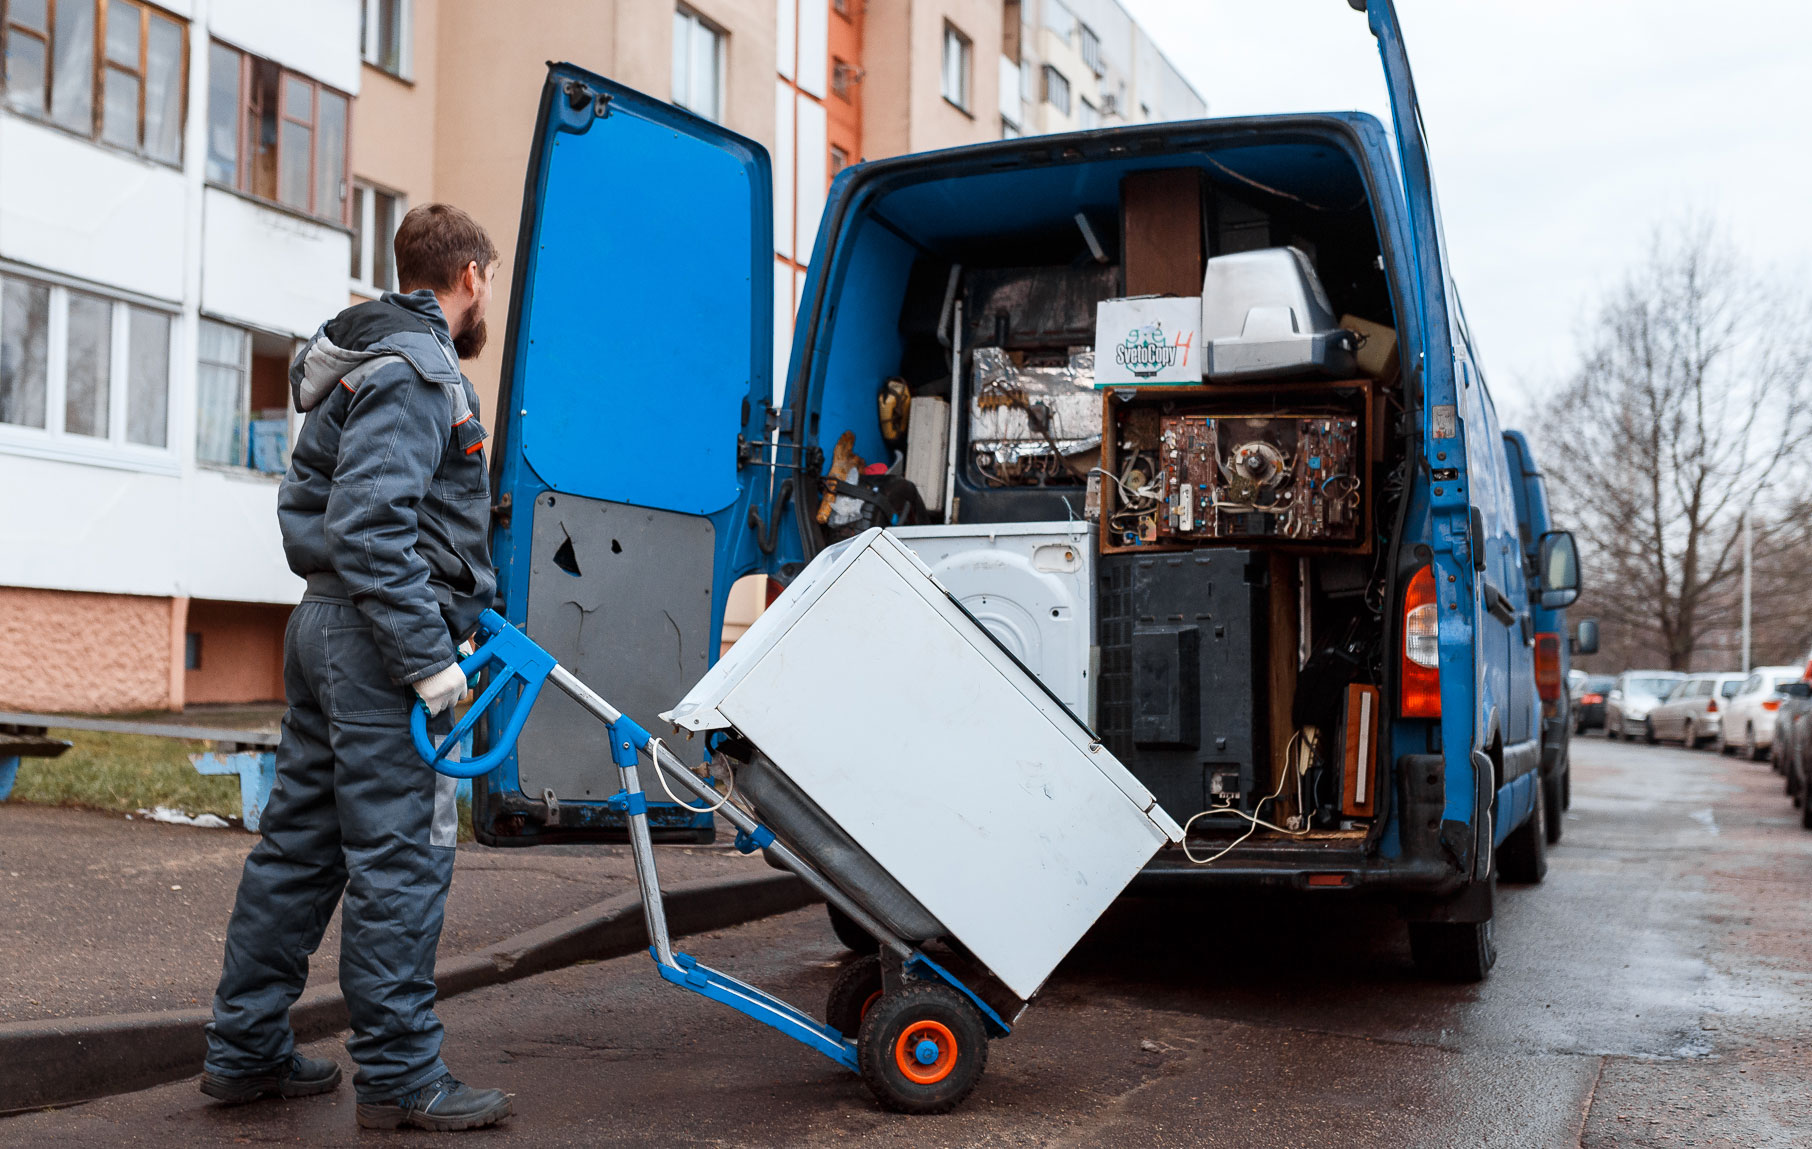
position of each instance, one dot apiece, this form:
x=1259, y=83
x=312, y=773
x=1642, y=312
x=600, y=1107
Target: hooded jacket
x=387, y=498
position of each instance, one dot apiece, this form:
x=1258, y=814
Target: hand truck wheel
x=857, y=988
x=922, y=1049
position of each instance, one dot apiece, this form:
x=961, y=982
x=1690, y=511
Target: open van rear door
x=638, y=345
x=1438, y=369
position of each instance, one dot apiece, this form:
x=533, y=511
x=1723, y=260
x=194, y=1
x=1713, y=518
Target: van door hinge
x=500, y=510
x=578, y=94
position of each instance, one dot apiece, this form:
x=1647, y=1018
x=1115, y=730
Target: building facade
x=190, y=187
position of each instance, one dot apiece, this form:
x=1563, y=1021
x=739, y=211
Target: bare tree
x=1688, y=411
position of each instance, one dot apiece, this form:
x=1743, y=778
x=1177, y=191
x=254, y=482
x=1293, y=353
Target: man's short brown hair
x=434, y=244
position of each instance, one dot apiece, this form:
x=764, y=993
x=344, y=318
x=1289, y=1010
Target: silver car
x=1635, y=693
x=1693, y=712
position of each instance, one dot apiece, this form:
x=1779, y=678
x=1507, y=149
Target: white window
x=1088, y=115
x=1009, y=130
x=385, y=28
x=1091, y=49
x=956, y=67
x=1059, y=20
x=242, y=398
x=698, y=65
x=80, y=371
x=1008, y=93
x=1056, y=89
x=375, y=216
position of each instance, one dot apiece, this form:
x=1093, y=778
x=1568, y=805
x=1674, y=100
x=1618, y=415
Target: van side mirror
x=1797, y=690
x=1559, y=567
x=1585, y=639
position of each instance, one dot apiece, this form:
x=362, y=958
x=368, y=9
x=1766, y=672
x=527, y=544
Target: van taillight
x=1421, y=686
x=1547, y=666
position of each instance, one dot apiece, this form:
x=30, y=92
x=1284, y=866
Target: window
x=241, y=398
x=1087, y=114
x=375, y=216
x=1091, y=49
x=698, y=65
x=384, y=35
x=1059, y=20
x=1056, y=89
x=276, y=134
x=1009, y=130
x=132, y=97
x=839, y=159
x=79, y=366
x=956, y=67
x=844, y=78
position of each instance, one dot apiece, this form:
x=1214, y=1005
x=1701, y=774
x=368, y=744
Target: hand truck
x=916, y=1034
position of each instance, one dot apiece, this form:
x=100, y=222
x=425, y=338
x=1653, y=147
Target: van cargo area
x=1176, y=374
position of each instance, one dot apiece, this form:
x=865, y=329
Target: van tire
x=849, y=933
x=1524, y=855
x=1453, y=951
x=1553, y=795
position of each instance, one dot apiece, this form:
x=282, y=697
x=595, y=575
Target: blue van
x=1547, y=615
x=1321, y=661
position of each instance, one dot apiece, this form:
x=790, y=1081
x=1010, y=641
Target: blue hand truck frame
x=506, y=655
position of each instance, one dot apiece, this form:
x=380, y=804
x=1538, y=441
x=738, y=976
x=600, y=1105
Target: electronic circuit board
x=1292, y=478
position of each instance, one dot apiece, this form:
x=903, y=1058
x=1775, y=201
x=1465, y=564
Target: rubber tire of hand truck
x=849, y=933
x=881, y=1048
x=853, y=994
x=1453, y=951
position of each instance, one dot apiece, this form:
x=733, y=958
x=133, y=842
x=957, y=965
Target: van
x=1547, y=626
x=1226, y=356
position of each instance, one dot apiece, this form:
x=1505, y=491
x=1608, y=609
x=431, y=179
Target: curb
x=61, y=1061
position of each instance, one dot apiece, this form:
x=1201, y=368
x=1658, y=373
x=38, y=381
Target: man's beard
x=470, y=342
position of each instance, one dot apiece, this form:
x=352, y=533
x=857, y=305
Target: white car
x=1748, y=726
x=1693, y=713
x=1634, y=694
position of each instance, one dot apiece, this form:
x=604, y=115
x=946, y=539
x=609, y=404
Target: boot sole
x=245, y=1090
x=395, y=1117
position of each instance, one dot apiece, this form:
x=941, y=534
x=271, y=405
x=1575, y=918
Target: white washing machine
x=1033, y=586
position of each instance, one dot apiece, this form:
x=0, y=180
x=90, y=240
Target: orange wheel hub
x=925, y=1053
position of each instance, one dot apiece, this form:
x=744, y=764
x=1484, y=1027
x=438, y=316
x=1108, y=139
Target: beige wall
x=241, y=652
x=460, y=133
x=903, y=108
x=100, y=653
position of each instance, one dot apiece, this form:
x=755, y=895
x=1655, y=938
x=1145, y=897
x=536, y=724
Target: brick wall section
x=90, y=653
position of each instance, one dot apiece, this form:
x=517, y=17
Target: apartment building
x=189, y=187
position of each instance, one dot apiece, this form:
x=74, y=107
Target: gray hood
x=361, y=338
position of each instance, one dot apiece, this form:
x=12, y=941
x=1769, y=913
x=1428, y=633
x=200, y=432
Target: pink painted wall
x=241, y=652
x=91, y=653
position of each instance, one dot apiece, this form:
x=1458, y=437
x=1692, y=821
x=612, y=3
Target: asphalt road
x=1654, y=991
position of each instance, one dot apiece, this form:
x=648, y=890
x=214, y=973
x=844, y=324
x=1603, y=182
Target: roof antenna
x=1088, y=235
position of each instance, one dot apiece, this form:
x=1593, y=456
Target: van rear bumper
x=1294, y=866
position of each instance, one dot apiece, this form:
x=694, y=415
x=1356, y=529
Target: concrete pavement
x=1654, y=991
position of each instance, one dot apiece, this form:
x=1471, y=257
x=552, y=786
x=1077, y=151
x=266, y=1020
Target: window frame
x=720, y=62
x=116, y=449
x=1089, y=48
x=371, y=45
x=364, y=210
x=246, y=125
x=243, y=408
x=965, y=69
x=1050, y=72
x=99, y=66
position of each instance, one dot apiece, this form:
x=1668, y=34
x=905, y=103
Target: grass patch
x=125, y=773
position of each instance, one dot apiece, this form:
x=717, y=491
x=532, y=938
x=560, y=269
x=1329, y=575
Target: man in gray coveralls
x=384, y=511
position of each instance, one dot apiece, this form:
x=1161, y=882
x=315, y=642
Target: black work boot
x=443, y=1106
x=302, y=1077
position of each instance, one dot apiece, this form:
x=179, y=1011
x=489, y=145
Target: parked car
x=1748, y=726
x=1588, y=702
x=1632, y=696
x=1693, y=712
x=921, y=263
x=1792, y=743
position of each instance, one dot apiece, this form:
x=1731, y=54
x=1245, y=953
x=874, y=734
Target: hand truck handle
x=516, y=657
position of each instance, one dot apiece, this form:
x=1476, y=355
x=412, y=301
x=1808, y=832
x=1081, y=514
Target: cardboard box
x=1148, y=340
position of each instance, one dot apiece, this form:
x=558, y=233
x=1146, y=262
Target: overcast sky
x=1563, y=132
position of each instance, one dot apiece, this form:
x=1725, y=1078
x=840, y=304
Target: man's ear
x=469, y=278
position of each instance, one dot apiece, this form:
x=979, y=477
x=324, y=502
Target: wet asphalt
x=1653, y=991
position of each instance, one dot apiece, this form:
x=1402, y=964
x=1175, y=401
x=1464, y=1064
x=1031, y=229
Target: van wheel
x=1524, y=855
x=1566, y=788
x=1453, y=951
x=849, y=933
x=1553, y=796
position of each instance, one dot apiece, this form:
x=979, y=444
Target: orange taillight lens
x=1771, y=704
x=1421, y=684
x=1547, y=666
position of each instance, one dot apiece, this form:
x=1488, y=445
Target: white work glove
x=442, y=688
